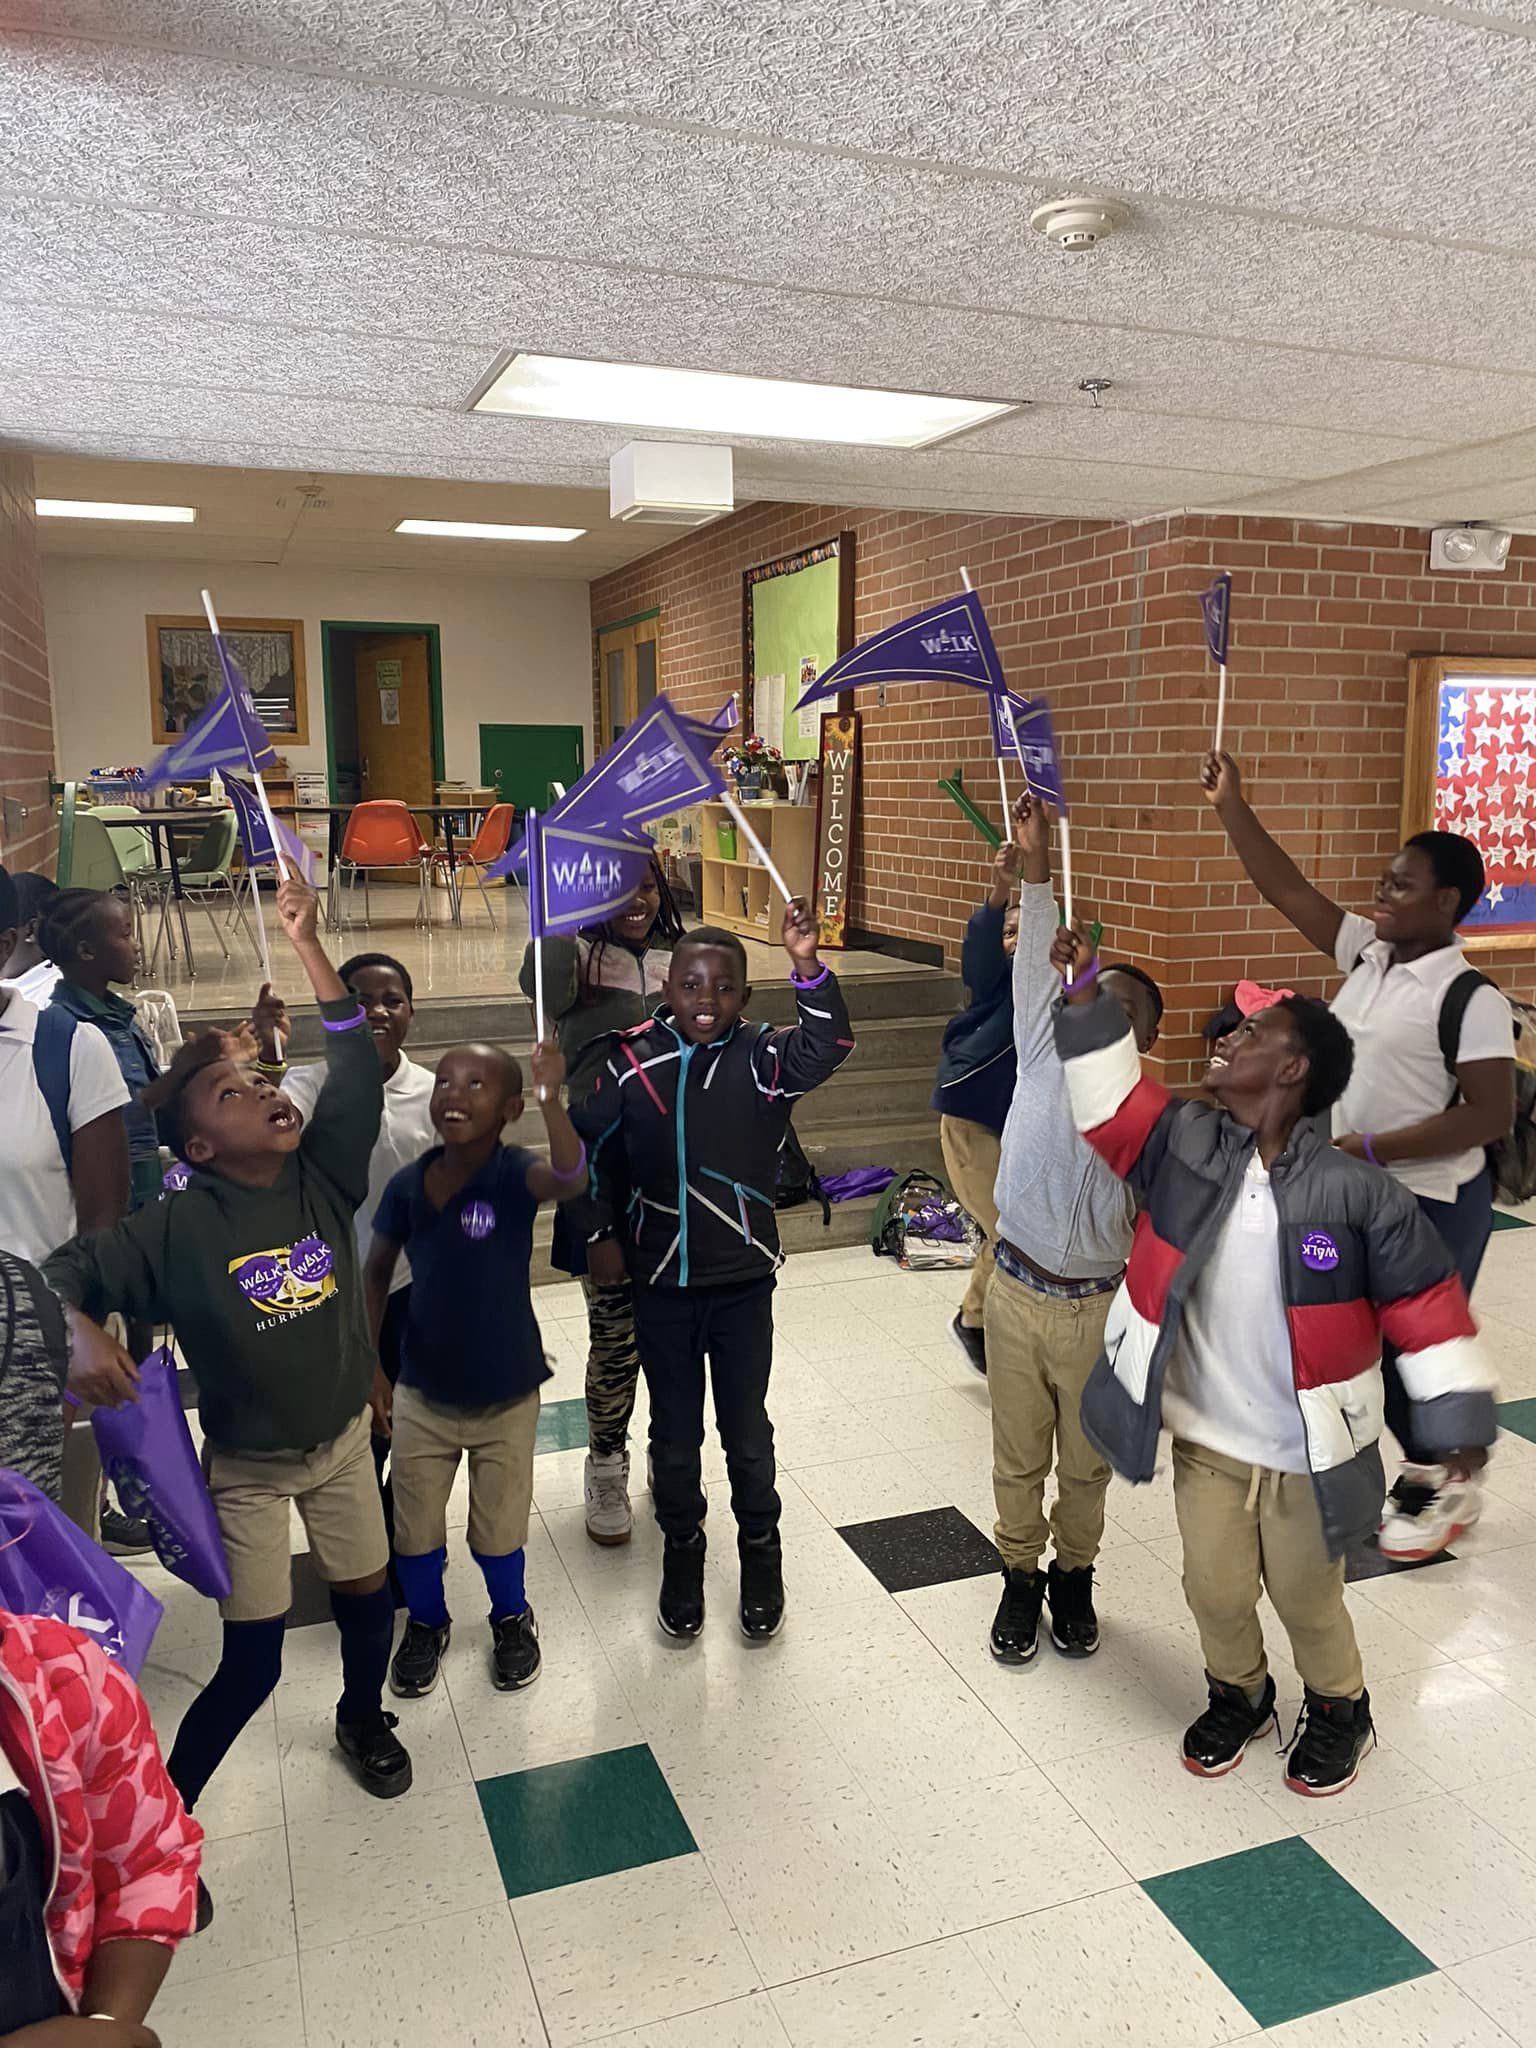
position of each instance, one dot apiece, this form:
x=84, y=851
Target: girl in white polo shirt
x=1402, y=1110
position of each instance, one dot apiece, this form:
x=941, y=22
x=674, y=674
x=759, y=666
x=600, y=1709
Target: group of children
x=345, y=1264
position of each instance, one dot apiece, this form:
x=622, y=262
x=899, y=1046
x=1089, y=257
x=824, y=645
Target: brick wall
x=1104, y=619
x=28, y=835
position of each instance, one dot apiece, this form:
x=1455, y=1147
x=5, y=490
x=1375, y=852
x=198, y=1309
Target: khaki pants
x=424, y=1455
x=970, y=1159
x=1040, y=1351
x=1244, y=1527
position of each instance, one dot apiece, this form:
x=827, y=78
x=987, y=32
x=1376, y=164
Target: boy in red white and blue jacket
x=1266, y=1269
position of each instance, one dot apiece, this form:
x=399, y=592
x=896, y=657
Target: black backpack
x=1511, y=1160
x=796, y=1180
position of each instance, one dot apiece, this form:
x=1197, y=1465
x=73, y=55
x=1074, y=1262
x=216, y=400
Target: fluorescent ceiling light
x=92, y=508
x=709, y=402
x=485, y=529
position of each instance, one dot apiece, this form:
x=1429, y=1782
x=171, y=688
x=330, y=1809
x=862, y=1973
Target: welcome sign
x=837, y=810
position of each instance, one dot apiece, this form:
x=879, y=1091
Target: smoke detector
x=1470, y=549
x=1076, y=224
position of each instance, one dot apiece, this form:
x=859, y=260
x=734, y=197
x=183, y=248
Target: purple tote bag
x=147, y=1453
x=48, y=1567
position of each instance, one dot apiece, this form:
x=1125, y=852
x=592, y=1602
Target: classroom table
x=334, y=813
x=160, y=824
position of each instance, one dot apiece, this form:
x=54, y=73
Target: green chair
x=87, y=857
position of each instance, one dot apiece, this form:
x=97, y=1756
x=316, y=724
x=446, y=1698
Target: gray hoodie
x=1056, y=1199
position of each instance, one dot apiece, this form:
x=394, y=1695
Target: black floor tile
x=1367, y=1562
x=929, y=1549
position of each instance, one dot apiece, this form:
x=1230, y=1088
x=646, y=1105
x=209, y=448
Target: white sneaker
x=1426, y=1512
x=609, y=1520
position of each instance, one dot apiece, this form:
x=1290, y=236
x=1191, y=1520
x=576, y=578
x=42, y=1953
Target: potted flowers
x=758, y=768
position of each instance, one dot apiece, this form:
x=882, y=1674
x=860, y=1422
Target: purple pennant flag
x=949, y=643
x=728, y=717
x=256, y=837
x=1216, y=610
x=1005, y=708
x=578, y=877
x=1034, y=748
x=227, y=733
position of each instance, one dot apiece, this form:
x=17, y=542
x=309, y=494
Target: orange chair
x=489, y=844
x=381, y=834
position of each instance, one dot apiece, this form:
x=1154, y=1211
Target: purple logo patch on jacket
x=1319, y=1251
x=478, y=1220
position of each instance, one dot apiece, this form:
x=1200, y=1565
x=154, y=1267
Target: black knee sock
x=249, y=1668
x=367, y=1624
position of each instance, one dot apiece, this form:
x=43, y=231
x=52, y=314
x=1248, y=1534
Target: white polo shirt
x=405, y=1132
x=1392, y=1011
x=37, y=1204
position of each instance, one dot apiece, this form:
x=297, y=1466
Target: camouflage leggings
x=613, y=1365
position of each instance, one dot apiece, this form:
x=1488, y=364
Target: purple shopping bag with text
x=48, y=1567
x=147, y=1453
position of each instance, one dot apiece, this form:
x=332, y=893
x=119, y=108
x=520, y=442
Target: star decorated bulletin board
x=1470, y=767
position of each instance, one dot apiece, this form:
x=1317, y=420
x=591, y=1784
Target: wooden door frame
x=602, y=736
x=434, y=685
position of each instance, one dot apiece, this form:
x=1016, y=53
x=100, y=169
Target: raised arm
x=1268, y=866
x=566, y=1174
x=1122, y=1114
x=791, y=1063
x=343, y=1126
x=984, y=966
x=1036, y=984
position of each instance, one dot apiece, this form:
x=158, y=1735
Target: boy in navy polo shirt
x=472, y=1359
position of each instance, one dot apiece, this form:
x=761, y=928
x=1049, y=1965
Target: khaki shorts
x=337, y=1495
x=424, y=1455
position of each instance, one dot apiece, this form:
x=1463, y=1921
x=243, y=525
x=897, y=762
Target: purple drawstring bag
x=148, y=1454
x=857, y=1181
x=47, y=1566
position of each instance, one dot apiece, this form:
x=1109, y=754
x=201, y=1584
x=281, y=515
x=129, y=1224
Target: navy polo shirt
x=471, y=1337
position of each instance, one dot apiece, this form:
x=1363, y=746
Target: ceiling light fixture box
x=1469, y=550
x=669, y=483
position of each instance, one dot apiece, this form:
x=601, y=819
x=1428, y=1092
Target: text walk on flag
x=1034, y=748
x=226, y=733
x=580, y=877
x=1005, y=708
x=949, y=643
x=256, y=836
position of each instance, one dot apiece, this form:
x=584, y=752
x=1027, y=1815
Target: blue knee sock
x=249, y=1667
x=504, y=1582
x=421, y=1581
x=367, y=1624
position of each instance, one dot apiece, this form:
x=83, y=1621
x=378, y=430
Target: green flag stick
x=955, y=787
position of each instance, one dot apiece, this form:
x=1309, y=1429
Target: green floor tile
x=1502, y=1221
x=1519, y=1418
x=565, y=1822
x=1284, y=1932
x=562, y=1427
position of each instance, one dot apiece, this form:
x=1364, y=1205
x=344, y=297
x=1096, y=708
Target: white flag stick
x=283, y=868
x=261, y=926
x=1221, y=708
x=1002, y=790
x=1066, y=867
x=536, y=895
x=757, y=846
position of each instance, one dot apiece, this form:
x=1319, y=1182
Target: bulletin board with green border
x=797, y=618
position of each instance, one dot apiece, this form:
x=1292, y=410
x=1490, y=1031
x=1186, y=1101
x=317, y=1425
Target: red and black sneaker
x=1214, y=1744
x=1331, y=1738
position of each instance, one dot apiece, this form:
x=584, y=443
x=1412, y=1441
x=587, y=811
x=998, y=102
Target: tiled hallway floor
x=867, y=1834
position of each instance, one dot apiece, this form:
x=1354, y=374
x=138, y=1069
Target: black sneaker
x=762, y=1587
x=1016, y=1625
x=1074, y=1625
x=1214, y=1744
x=204, y=1909
x=680, y=1609
x=972, y=1342
x=1331, y=1738
x=414, y=1672
x=124, y=1535
x=376, y=1754
x=515, y=1653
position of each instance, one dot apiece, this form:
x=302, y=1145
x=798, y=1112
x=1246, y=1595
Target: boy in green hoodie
x=254, y=1263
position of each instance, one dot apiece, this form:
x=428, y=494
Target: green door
x=523, y=760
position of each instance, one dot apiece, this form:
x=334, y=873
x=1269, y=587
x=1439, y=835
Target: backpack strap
x=50, y=1063
x=1453, y=1009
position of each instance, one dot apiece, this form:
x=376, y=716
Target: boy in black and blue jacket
x=683, y=1128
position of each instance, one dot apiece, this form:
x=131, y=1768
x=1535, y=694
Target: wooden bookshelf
x=789, y=833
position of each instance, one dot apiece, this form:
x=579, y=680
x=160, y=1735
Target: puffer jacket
x=124, y=1850
x=684, y=1139
x=34, y=1362
x=1358, y=1263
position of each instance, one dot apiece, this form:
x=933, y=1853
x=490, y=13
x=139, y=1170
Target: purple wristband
x=1086, y=979
x=574, y=1173
x=815, y=981
x=345, y=1023
x=1368, y=1148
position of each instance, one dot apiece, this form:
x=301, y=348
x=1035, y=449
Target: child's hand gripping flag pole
x=1216, y=611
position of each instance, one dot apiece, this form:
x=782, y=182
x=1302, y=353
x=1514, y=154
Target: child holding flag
x=684, y=1124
